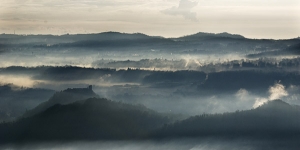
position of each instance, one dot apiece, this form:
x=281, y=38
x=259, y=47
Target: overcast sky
x=169, y=18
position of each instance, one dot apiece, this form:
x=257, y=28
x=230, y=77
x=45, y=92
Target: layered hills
x=103, y=119
x=64, y=97
x=90, y=119
x=273, y=119
x=195, y=43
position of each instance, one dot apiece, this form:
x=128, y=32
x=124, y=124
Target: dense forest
x=98, y=118
x=91, y=119
x=116, y=87
x=274, y=119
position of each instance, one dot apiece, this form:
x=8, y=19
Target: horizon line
x=147, y=35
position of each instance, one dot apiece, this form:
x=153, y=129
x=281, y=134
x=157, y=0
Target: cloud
x=259, y=101
x=242, y=94
x=183, y=9
x=276, y=91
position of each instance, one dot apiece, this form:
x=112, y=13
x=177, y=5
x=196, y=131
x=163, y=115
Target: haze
x=169, y=18
x=158, y=74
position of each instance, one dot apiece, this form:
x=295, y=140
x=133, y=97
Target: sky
x=276, y=19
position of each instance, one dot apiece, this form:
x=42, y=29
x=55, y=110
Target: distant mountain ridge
x=203, y=35
x=203, y=43
x=69, y=38
x=200, y=42
x=114, y=35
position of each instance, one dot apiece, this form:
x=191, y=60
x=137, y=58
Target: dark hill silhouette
x=204, y=43
x=277, y=105
x=105, y=36
x=202, y=36
x=177, y=76
x=111, y=39
x=254, y=80
x=294, y=49
x=115, y=43
x=15, y=100
x=98, y=118
x=67, y=38
x=91, y=119
x=274, y=119
x=291, y=50
x=64, y=97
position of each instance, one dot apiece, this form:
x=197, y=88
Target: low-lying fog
x=168, y=83
x=39, y=57
x=177, y=77
x=171, y=92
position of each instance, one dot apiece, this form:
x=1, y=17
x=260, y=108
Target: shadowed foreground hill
x=274, y=119
x=91, y=119
x=64, y=97
x=102, y=119
x=14, y=100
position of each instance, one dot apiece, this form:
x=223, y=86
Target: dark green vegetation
x=275, y=119
x=290, y=50
x=204, y=73
x=260, y=78
x=91, y=119
x=64, y=97
x=14, y=101
x=102, y=119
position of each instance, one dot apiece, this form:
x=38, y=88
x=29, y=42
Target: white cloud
x=242, y=94
x=259, y=101
x=277, y=91
x=183, y=9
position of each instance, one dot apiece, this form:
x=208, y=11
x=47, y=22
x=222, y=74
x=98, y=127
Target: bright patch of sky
x=170, y=18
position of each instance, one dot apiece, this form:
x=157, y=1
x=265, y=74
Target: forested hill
x=91, y=119
x=202, y=43
x=102, y=119
x=64, y=97
x=274, y=119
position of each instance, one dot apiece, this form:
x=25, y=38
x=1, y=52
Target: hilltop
x=203, y=36
x=195, y=43
x=64, y=97
x=102, y=119
x=90, y=119
x=274, y=119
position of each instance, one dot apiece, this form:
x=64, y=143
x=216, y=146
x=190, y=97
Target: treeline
x=102, y=119
x=273, y=120
x=264, y=64
x=146, y=63
x=290, y=50
x=220, y=81
x=271, y=64
x=250, y=80
x=91, y=119
x=63, y=97
x=14, y=101
x=202, y=43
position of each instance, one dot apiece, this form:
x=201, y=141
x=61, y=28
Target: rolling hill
x=272, y=120
x=91, y=119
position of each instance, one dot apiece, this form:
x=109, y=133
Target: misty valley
x=114, y=90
